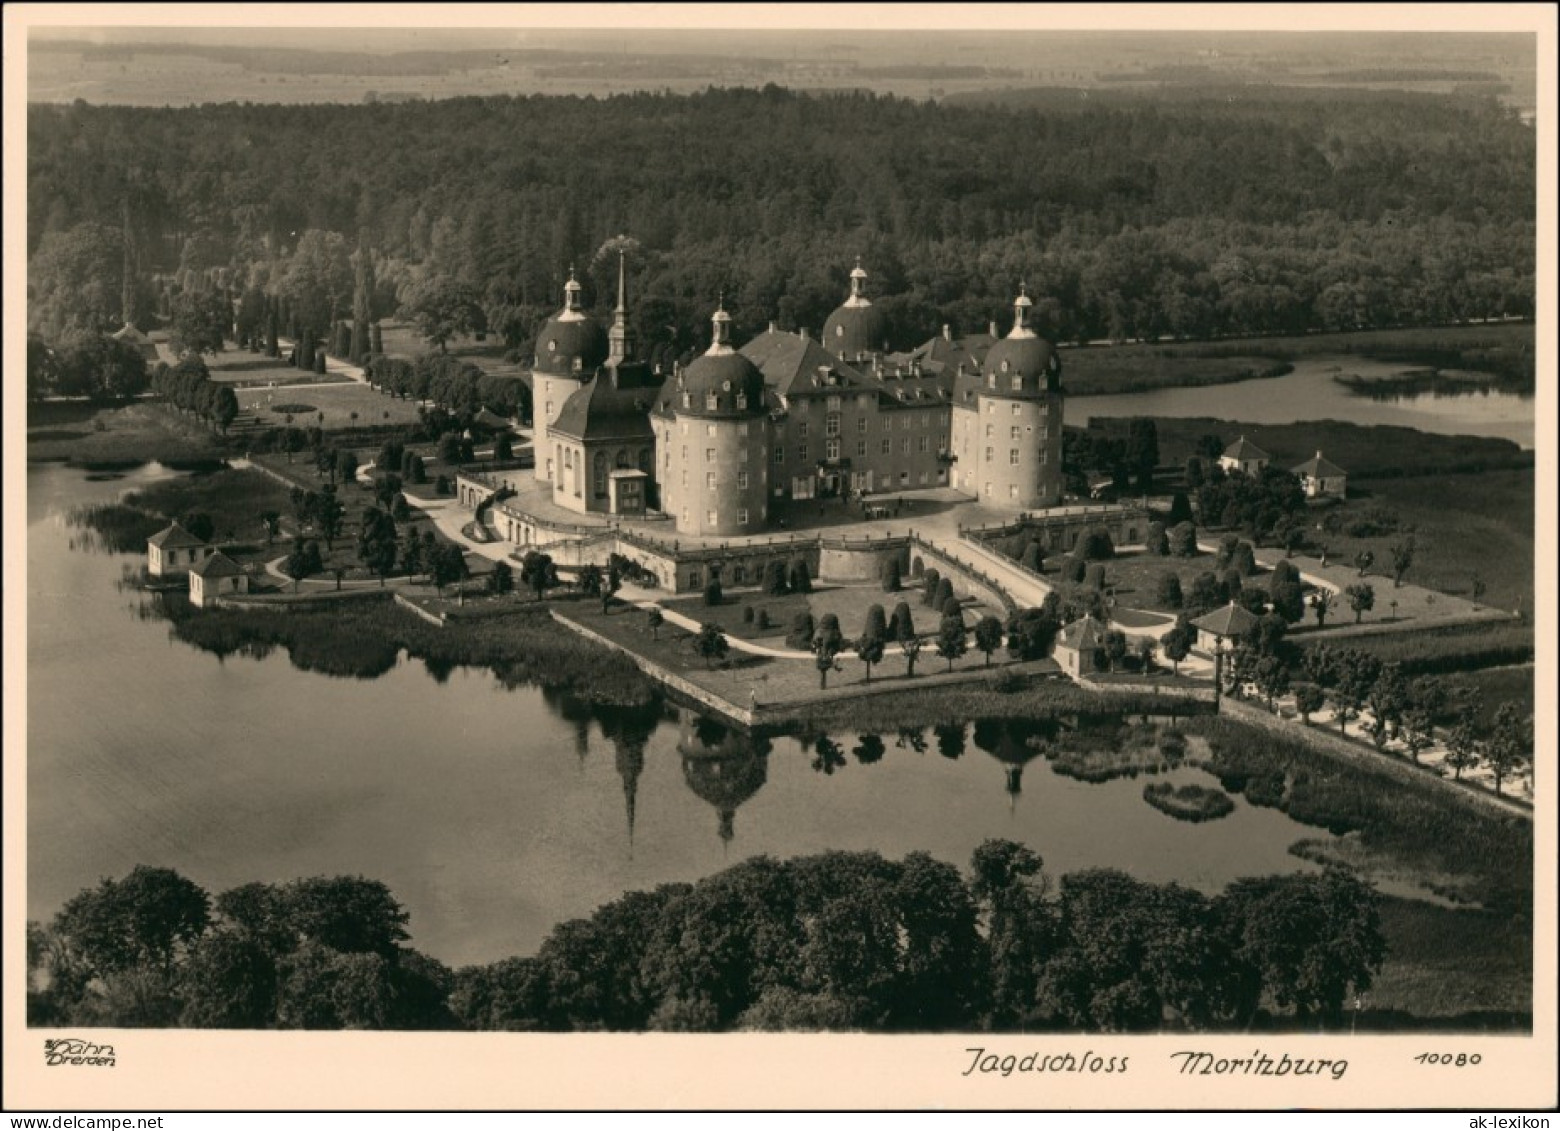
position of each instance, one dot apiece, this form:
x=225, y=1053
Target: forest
x=1192, y=217
x=843, y=941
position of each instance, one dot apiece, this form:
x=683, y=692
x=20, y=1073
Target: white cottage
x=1245, y=457
x=1078, y=646
x=173, y=551
x=218, y=575
x=1321, y=478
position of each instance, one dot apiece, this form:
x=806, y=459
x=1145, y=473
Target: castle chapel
x=784, y=417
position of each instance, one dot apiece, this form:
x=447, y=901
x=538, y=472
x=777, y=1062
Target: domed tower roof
x=570, y=342
x=856, y=326
x=1023, y=364
x=719, y=382
x=724, y=769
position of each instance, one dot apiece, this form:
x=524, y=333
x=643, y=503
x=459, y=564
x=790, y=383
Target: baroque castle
x=784, y=417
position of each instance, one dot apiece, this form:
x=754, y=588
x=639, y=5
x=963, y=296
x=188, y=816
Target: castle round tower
x=568, y=349
x=1007, y=420
x=715, y=472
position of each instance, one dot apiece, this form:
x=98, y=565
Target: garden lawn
x=88, y=435
x=337, y=402
x=1463, y=525
x=243, y=369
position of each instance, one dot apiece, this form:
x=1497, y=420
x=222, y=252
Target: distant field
x=1504, y=349
x=87, y=434
x=1366, y=451
x=1463, y=525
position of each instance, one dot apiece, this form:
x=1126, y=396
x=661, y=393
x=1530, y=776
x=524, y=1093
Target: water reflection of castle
x=723, y=766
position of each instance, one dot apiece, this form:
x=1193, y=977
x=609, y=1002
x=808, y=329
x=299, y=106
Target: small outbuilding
x=218, y=575
x=173, y=551
x=130, y=336
x=1232, y=622
x=1078, y=647
x=1245, y=457
x=1322, y=479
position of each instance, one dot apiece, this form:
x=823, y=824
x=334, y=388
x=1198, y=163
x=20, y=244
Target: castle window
x=904, y=445
x=801, y=453
x=709, y=429
x=1013, y=456
x=1018, y=383
x=742, y=480
x=552, y=345
x=904, y=423
x=834, y=403
x=742, y=520
x=742, y=455
x=1018, y=408
x=600, y=478
x=711, y=402
x=687, y=401
x=861, y=424
x=741, y=400
x=1015, y=431
x=888, y=423
x=709, y=480
x=1012, y=490
x=925, y=443
x=861, y=447
x=926, y=420
x=991, y=380
x=864, y=402
x=988, y=431
x=742, y=428
x=888, y=447
x=988, y=455
x=709, y=455
x=711, y=519
x=779, y=454
x=832, y=449
x=801, y=430
x=831, y=424
x=990, y=408
x=549, y=410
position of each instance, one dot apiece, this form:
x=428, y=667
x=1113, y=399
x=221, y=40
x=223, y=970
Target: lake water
x=1312, y=393
x=492, y=814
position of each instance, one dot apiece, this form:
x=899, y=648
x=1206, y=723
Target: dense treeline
x=844, y=940
x=1133, y=219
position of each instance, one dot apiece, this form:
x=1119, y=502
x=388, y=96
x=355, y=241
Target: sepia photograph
x=1002, y=541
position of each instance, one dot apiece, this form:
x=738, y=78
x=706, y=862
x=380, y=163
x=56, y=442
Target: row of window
x=712, y=518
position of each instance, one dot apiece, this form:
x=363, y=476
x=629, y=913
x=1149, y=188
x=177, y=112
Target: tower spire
x=720, y=340
x=1021, y=307
x=620, y=339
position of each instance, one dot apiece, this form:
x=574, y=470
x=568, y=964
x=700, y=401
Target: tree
x=588, y=579
x=537, y=572
x=1288, y=600
x=1167, y=593
x=1032, y=632
x=503, y=447
x=377, y=543
x=1272, y=678
x=1309, y=941
x=930, y=579
x=799, y=577
x=271, y=523
x=869, y=650
x=1178, y=642
x=1096, y=546
x=1142, y=451
x=1354, y=674
x=304, y=561
x=802, y=630
x=1309, y=698
x=443, y=308
x=501, y=579
x=1362, y=597
x=943, y=595
x=328, y=515
x=201, y=322
x=653, y=621
x=1387, y=700
x=1115, y=647
x=951, y=642
x=1510, y=745
x=1180, y=506
x=892, y=580
x=1402, y=560
x=1321, y=604
x=1363, y=561
x=346, y=465
x=988, y=636
x=1425, y=699
x=712, y=591
x=149, y=917
x=1463, y=748
x=101, y=368
x=901, y=625
x=448, y=565
x=774, y=578
x=910, y=648
x=711, y=644
x=1183, y=539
